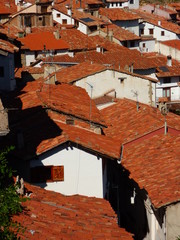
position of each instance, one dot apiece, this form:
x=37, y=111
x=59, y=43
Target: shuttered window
x=47, y=174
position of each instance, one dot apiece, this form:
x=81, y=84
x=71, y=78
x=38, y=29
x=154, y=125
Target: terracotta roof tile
x=7, y=46
x=125, y=123
x=118, y=14
x=155, y=165
x=50, y=215
x=172, y=43
x=43, y=41
x=120, y=33
x=154, y=19
x=74, y=73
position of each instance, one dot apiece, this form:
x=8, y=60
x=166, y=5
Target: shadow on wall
x=127, y=200
x=28, y=128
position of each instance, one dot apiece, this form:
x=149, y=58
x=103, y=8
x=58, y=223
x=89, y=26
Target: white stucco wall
x=62, y=16
x=30, y=57
x=168, y=35
x=134, y=5
x=82, y=28
x=175, y=89
x=82, y=171
x=156, y=230
x=166, y=50
x=173, y=221
x=149, y=46
x=107, y=80
x=117, y=5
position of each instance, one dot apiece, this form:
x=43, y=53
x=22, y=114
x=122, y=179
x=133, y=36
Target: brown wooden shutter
x=57, y=173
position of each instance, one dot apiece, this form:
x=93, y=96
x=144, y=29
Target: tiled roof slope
x=68, y=99
x=170, y=72
x=120, y=33
x=43, y=41
x=93, y=142
x=172, y=43
x=71, y=74
x=125, y=123
x=71, y=100
x=50, y=215
x=155, y=20
x=118, y=14
x=155, y=165
x=74, y=38
x=7, y=46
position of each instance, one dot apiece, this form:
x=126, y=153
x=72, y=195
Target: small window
x=131, y=1
x=70, y=121
x=132, y=44
x=1, y=71
x=151, y=31
x=120, y=4
x=162, y=33
x=144, y=45
x=40, y=18
x=47, y=174
x=58, y=15
x=64, y=21
x=142, y=31
x=167, y=80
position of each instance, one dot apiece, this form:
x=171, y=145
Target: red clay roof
x=155, y=20
x=77, y=4
x=43, y=41
x=50, y=215
x=172, y=43
x=79, y=71
x=125, y=123
x=173, y=71
x=64, y=98
x=7, y=46
x=118, y=14
x=155, y=165
x=120, y=33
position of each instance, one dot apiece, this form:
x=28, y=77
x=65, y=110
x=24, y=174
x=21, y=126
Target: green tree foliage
x=10, y=202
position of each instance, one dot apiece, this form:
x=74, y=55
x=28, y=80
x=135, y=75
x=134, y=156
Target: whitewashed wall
x=62, y=16
x=173, y=221
x=166, y=50
x=117, y=5
x=82, y=171
x=175, y=89
x=135, y=4
x=149, y=46
x=132, y=26
x=157, y=231
x=83, y=28
x=168, y=35
x=107, y=80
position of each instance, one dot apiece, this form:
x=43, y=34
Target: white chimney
x=169, y=61
x=98, y=48
x=159, y=23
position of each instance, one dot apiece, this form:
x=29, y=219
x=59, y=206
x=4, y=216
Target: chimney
x=169, y=61
x=110, y=35
x=132, y=68
x=57, y=35
x=98, y=48
x=159, y=23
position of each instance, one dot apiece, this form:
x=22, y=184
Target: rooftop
x=125, y=123
x=172, y=43
x=155, y=165
x=7, y=46
x=43, y=41
x=118, y=14
x=51, y=215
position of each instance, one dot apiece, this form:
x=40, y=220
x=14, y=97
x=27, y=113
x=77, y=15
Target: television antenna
x=136, y=95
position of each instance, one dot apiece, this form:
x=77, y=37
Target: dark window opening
x=132, y=44
x=58, y=15
x=162, y=33
x=47, y=174
x=64, y=21
x=167, y=80
x=1, y=71
x=151, y=31
x=142, y=31
x=131, y=1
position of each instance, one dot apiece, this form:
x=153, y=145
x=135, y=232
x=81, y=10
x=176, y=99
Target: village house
x=41, y=44
x=84, y=22
x=37, y=14
x=171, y=47
x=98, y=80
x=121, y=17
x=7, y=65
x=146, y=183
x=131, y=4
x=157, y=27
x=62, y=149
x=160, y=10
x=54, y=215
